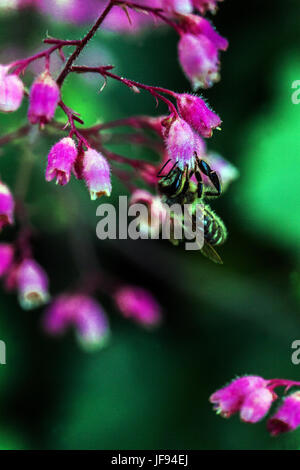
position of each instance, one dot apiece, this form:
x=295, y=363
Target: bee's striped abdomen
x=215, y=232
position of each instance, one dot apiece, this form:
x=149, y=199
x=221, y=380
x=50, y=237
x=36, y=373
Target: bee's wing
x=211, y=253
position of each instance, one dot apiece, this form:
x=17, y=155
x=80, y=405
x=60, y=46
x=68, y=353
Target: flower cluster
x=83, y=153
x=252, y=397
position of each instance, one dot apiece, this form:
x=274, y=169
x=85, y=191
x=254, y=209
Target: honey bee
x=176, y=187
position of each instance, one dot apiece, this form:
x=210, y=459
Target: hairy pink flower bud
x=43, y=99
x=156, y=212
x=229, y=400
x=182, y=143
x=206, y=5
x=6, y=257
x=11, y=90
x=81, y=312
x=256, y=405
x=178, y=6
x=96, y=173
x=226, y=171
x=32, y=284
x=138, y=304
x=287, y=417
x=199, y=59
x=61, y=159
x=6, y=206
x=197, y=25
x=195, y=112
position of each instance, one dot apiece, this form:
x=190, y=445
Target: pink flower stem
x=105, y=72
x=22, y=64
x=66, y=70
x=72, y=116
x=137, y=122
x=158, y=12
x=273, y=383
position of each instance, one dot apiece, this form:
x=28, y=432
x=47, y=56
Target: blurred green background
x=149, y=390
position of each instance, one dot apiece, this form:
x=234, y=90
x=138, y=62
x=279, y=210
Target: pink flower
x=61, y=159
x=96, y=173
x=6, y=206
x=43, y=99
x=11, y=90
x=81, y=312
x=138, y=304
x=32, y=284
x=6, y=257
x=182, y=143
x=178, y=6
x=157, y=212
x=197, y=114
x=287, y=417
x=256, y=405
x=230, y=399
x=199, y=59
x=197, y=25
x=206, y=5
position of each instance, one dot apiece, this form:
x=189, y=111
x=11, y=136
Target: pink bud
x=206, y=5
x=156, y=214
x=61, y=159
x=138, y=304
x=6, y=257
x=196, y=113
x=178, y=6
x=43, y=99
x=229, y=400
x=11, y=90
x=6, y=206
x=256, y=405
x=197, y=25
x=198, y=57
x=81, y=312
x=32, y=283
x=182, y=143
x=96, y=173
x=287, y=417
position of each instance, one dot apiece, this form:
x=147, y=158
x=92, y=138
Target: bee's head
x=173, y=182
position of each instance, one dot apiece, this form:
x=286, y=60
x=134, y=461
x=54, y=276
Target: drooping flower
x=6, y=206
x=178, y=6
x=11, y=90
x=43, y=99
x=256, y=405
x=199, y=59
x=287, y=417
x=6, y=257
x=197, y=25
x=230, y=399
x=138, y=304
x=226, y=171
x=32, y=284
x=156, y=214
x=96, y=173
x=84, y=314
x=61, y=159
x=206, y=5
x=182, y=143
x=197, y=114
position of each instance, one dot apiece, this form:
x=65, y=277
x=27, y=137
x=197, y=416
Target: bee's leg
x=200, y=184
x=212, y=175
